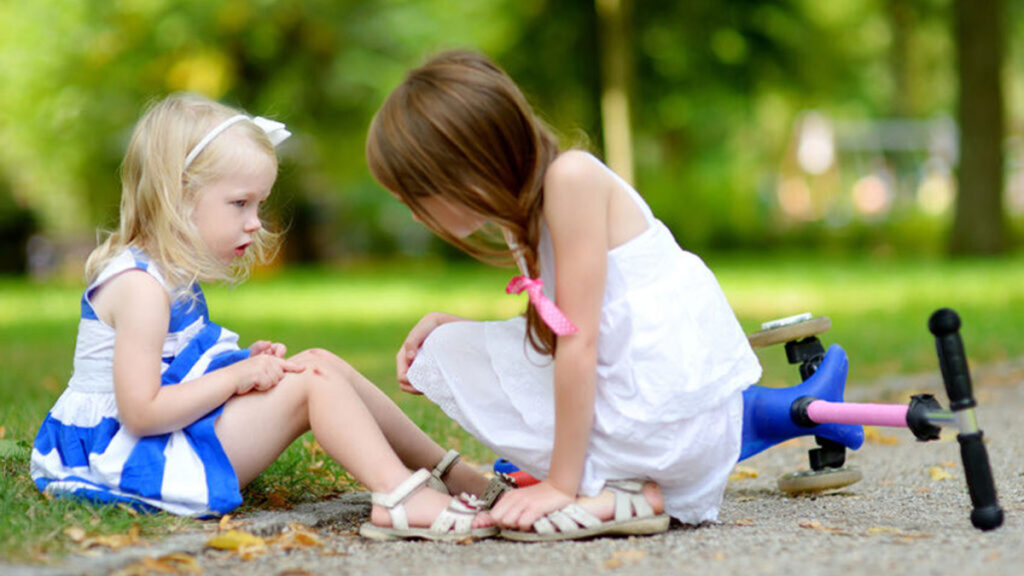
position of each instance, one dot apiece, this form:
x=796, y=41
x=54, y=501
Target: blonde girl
x=164, y=410
x=621, y=387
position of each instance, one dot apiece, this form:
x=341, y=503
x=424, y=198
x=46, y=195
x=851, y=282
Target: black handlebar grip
x=986, y=515
x=944, y=324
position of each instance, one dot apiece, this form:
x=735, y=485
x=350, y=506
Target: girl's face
x=457, y=219
x=226, y=213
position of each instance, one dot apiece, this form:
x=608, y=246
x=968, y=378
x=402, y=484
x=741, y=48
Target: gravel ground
x=910, y=514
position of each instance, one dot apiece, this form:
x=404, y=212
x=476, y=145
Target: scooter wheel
x=819, y=480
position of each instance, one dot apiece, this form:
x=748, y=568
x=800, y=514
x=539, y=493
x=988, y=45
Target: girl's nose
x=253, y=224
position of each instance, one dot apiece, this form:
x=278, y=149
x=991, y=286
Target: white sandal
x=454, y=523
x=633, y=517
x=498, y=485
x=436, y=480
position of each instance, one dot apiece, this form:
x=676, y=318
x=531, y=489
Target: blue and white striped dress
x=83, y=451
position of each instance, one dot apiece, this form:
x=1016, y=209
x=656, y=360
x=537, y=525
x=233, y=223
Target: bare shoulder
x=127, y=291
x=573, y=169
x=577, y=189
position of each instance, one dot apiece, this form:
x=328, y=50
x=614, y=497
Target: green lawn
x=879, y=310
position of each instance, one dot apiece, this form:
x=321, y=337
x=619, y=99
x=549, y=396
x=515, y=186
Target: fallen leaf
x=131, y=511
x=815, y=525
x=74, y=533
x=234, y=539
x=874, y=435
x=937, y=473
x=226, y=523
x=745, y=522
x=622, y=557
x=3, y=432
x=115, y=541
x=176, y=563
x=297, y=536
x=742, y=473
x=250, y=551
x=880, y=530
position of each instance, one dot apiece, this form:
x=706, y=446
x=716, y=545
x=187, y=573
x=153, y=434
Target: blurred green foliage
x=717, y=87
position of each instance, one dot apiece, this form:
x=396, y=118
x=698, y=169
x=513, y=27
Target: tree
x=616, y=67
x=980, y=225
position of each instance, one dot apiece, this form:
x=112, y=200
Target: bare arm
x=138, y=309
x=576, y=204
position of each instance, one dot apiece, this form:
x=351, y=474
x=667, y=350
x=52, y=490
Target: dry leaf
x=874, y=435
x=937, y=473
x=74, y=533
x=880, y=530
x=250, y=551
x=115, y=541
x=745, y=522
x=226, y=523
x=298, y=536
x=131, y=511
x=176, y=563
x=3, y=432
x=622, y=557
x=234, y=540
x=815, y=525
x=742, y=473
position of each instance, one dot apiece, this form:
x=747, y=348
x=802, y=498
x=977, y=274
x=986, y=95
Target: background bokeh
x=752, y=124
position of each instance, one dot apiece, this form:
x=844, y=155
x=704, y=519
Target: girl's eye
x=239, y=203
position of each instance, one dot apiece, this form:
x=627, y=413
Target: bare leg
x=414, y=447
x=255, y=428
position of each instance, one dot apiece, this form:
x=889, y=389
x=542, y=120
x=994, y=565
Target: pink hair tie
x=547, y=309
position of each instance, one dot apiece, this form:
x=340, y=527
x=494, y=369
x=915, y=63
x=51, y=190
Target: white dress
x=672, y=362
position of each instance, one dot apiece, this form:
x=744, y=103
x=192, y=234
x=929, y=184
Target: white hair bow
x=274, y=130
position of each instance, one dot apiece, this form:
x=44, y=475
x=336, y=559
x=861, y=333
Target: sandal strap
x=436, y=481
x=572, y=518
x=458, y=516
x=392, y=501
x=630, y=501
x=498, y=485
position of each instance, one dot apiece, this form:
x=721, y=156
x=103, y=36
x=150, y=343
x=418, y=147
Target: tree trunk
x=901, y=21
x=616, y=66
x=980, y=226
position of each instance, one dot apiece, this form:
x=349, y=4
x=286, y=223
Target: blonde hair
x=459, y=128
x=158, y=193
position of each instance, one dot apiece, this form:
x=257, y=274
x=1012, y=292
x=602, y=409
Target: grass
x=879, y=310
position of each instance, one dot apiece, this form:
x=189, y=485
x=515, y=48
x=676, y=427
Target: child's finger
x=406, y=386
x=294, y=367
x=259, y=347
x=278, y=349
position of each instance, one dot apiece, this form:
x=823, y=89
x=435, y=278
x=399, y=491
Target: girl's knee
x=320, y=358
x=323, y=366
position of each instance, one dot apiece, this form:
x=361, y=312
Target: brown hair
x=458, y=127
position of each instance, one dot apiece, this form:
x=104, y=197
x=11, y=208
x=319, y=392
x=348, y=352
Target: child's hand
x=267, y=347
x=263, y=372
x=519, y=509
x=407, y=353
